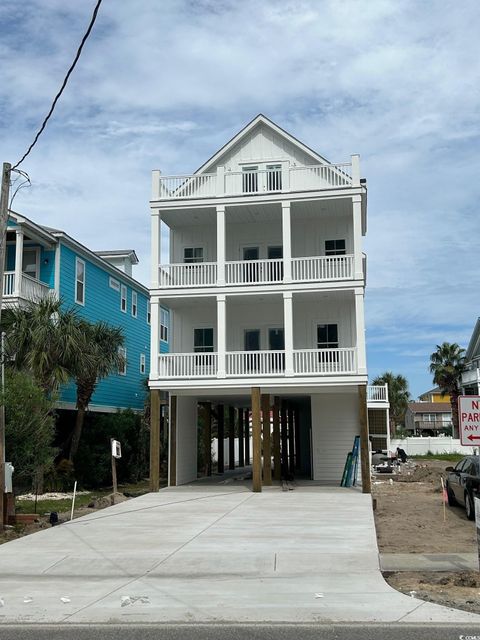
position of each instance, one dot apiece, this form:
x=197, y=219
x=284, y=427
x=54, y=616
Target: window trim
x=204, y=348
x=336, y=252
x=149, y=312
x=193, y=259
x=123, y=351
x=328, y=342
x=134, y=304
x=164, y=328
x=143, y=363
x=84, y=283
x=123, y=289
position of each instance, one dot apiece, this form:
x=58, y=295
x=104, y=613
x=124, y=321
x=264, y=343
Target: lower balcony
x=28, y=289
x=244, y=364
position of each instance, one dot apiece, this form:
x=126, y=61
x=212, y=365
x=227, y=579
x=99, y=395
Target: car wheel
x=469, y=508
x=451, y=498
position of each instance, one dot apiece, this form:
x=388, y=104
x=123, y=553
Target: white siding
x=193, y=236
x=335, y=423
x=186, y=439
x=323, y=309
x=188, y=318
x=309, y=235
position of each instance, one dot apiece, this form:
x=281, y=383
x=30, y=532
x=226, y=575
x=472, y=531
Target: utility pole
x=4, y=196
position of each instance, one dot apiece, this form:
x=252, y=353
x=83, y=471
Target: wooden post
x=267, y=447
x=277, y=463
x=154, y=439
x=284, y=440
x=172, y=458
x=247, y=437
x=364, y=442
x=114, y=469
x=241, y=439
x=207, y=437
x=220, y=438
x=257, y=440
x=291, y=440
x=231, y=438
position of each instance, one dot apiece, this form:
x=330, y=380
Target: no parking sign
x=469, y=420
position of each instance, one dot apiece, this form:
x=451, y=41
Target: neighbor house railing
x=377, y=393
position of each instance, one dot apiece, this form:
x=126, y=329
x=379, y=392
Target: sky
x=162, y=84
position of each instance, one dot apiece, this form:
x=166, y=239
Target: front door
x=275, y=268
x=251, y=271
x=276, y=342
x=252, y=340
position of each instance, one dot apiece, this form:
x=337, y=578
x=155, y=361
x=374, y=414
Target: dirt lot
x=409, y=519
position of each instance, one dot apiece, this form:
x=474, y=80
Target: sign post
x=469, y=420
x=116, y=453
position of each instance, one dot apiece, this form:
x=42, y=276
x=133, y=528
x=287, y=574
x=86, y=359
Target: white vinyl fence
x=419, y=446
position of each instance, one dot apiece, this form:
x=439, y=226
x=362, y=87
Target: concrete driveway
x=210, y=554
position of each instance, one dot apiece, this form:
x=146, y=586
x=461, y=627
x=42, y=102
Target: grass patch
x=449, y=457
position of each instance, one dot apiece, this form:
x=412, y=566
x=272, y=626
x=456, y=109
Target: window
x=192, y=255
x=429, y=417
x=164, y=325
x=149, y=313
x=203, y=340
x=122, y=369
x=327, y=336
x=335, y=247
x=142, y=363
x=274, y=177
x=123, y=298
x=114, y=284
x=250, y=180
x=134, y=304
x=79, y=281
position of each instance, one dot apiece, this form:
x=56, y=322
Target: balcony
x=30, y=289
x=245, y=364
x=280, y=179
x=242, y=272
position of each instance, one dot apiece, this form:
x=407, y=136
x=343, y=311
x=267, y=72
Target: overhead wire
x=64, y=84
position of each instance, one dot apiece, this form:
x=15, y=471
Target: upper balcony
x=278, y=177
x=18, y=288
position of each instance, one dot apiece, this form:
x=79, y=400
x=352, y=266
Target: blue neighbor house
x=42, y=262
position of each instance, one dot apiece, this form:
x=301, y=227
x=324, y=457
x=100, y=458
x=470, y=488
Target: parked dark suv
x=463, y=484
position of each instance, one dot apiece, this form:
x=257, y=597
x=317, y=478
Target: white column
x=154, y=338
x=288, y=332
x=156, y=190
x=360, y=332
x=18, y=260
x=357, y=236
x=287, y=242
x=221, y=245
x=221, y=336
x=355, y=170
x=156, y=248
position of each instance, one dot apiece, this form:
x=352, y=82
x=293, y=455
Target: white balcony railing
x=322, y=268
x=201, y=274
x=324, y=361
x=471, y=375
x=30, y=288
x=254, y=271
x=377, y=393
x=280, y=178
x=259, y=363
x=188, y=365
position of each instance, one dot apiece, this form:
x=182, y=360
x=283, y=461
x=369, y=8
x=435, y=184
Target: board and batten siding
x=335, y=423
x=102, y=302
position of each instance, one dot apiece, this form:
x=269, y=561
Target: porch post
x=257, y=441
x=172, y=442
x=287, y=242
x=247, y=437
x=207, y=437
x=231, y=438
x=155, y=409
x=277, y=472
x=357, y=236
x=360, y=333
x=18, y=261
x=221, y=336
x=154, y=338
x=221, y=244
x=220, y=438
x=364, y=442
x=288, y=331
x=297, y=439
x=267, y=449
x=241, y=437
x=156, y=249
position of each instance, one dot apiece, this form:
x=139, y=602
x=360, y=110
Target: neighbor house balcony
x=23, y=288
x=279, y=178
x=253, y=272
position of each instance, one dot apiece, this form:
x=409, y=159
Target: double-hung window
x=149, y=312
x=192, y=255
x=123, y=298
x=327, y=338
x=122, y=369
x=203, y=344
x=335, y=247
x=79, y=281
x=134, y=304
x=142, y=363
x=164, y=325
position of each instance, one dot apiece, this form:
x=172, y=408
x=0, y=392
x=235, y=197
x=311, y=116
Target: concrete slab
x=429, y=561
x=211, y=554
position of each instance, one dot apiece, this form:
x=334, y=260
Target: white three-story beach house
x=265, y=282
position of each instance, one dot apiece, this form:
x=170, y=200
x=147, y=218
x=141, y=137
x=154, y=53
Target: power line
x=64, y=84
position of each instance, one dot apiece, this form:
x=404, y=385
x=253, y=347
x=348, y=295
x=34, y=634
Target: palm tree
x=43, y=338
x=398, y=396
x=101, y=356
x=447, y=364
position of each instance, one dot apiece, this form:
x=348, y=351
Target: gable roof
x=429, y=407
x=260, y=119
x=119, y=253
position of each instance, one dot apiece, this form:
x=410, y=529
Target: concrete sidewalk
x=429, y=561
x=210, y=554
